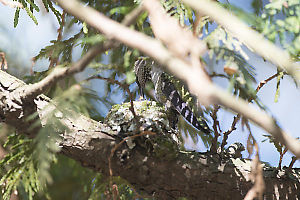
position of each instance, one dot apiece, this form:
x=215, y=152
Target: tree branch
x=151, y=166
x=59, y=73
x=198, y=81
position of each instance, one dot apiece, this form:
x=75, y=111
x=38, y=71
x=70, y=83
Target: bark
x=152, y=161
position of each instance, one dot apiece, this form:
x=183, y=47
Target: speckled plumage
x=165, y=92
x=142, y=69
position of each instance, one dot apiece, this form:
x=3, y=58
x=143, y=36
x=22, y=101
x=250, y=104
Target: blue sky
x=27, y=39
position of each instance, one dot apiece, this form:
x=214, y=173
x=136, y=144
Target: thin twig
x=216, y=126
x=256, y=169
x=262, y=83
x=232, y=128
x=33, y=61
x=236, y=119
x=55, y=61
x=281, y=157
x=294, y=159
x=214, y=74
x=125, y=87
x=3, y=63
x=59, y=73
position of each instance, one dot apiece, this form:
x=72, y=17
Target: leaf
x=130, y=77
x=30, y=14
x=292, y=24
x=55, y=12
x=85, y=28
x=45, y=3
x=120, y=10
x=16, y=18
x=279, y=77
x=33, y=5
x=94, y=39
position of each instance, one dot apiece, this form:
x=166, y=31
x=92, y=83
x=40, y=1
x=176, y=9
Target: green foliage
x=16, y=19
x=94, y=39
x=76, y=99
x=59, y=49
x=279, y=77
x=178, y=10
x=70, y=180
x=224, y=48
x=28, y=163
x=30, y=6
x=281, y=22
x=19, y=168
x=30, y=14
x=257, y=6
x=45, y=149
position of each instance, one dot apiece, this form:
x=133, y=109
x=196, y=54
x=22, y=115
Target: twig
x=59, y=73
x=33, y=61
x=281, y=156
x=3, y=63
x=214, y=74
x=232, y=128
x=294, y=159
x=125, y=87
x=262, y=83
x=256, y=170
x=55, y=61
x=216, y=126
x=131, y=17
x=236, y=119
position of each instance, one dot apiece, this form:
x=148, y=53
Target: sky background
x=27, y=39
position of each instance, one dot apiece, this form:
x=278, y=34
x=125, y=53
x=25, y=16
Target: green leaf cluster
x=30, y=6
x=281, y=23
x=19, y=168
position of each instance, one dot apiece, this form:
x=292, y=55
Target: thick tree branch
x=196, y=78
x=154, y=165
